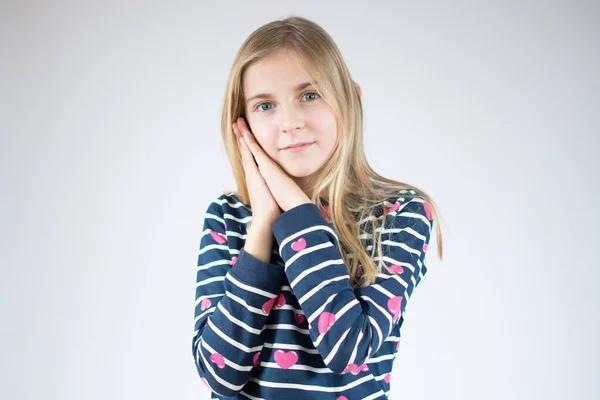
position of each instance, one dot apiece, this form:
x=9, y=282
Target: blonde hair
x=346, y=181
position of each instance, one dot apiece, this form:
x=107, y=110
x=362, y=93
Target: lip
x=299, y=147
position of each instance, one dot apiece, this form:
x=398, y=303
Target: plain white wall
x=111, y=152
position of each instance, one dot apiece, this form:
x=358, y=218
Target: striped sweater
x=294, y=328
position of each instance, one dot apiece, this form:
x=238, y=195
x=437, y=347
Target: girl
x=304, y=273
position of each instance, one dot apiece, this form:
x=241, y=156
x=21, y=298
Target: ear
x=358, y=88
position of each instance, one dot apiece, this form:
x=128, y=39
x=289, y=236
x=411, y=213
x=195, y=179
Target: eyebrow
x=265, y=95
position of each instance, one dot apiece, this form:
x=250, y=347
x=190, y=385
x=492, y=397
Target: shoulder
x=228, y=204
x=409, y=208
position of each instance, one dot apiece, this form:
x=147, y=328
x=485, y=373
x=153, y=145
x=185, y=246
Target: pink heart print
x=359, y=271
x=387, y=378
x=286, y=359
x=218, y=359
x=425, y=247
x=397, y=269
x=205, y=304
x=326, y=213
x=326, y=321
x=355, y=369
x=219, y=237
x=256, y=360
x=427, y=208
x=233, y=260
x=342, y=398
x=280, y=301
x=394, y=306
x=268, y=305
x=398, y=344
x=299, y=318
x=299, y=244
x=393, y=208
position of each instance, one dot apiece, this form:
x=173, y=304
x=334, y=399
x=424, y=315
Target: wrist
x=259, y=242
x=260, y=226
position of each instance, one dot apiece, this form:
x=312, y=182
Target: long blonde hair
x=346, y=181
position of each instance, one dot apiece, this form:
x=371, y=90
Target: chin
x=299, y=171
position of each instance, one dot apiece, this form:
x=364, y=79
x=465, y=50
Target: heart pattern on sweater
x=205, y=304
x=280, y=301
x=355, y=369
x=393, y=305
x=326, y=321
x=397, y=269
x=286, y=359
x=219, y=237
x=256, y=360
x=298, y=318
x=387, y=378
x=326, y=213
x=359, y=271
x=393, y=208
x=299, y=244
x=427, y=208
x=268, y=305
x=218, y=359
x=233, y=261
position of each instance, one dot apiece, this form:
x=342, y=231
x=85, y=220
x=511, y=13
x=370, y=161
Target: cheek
x=327, y=124
x=265, y=137
x=259, y=130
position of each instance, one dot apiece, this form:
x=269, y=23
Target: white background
x=111, y=152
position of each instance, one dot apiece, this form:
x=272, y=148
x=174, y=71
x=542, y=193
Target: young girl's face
x=288, y=112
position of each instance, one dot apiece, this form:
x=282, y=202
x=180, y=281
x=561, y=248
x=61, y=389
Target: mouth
x=299, y=146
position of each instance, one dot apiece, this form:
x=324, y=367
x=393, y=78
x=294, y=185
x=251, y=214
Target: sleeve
x=348, y=325
x=234, y=297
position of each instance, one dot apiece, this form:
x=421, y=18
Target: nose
x=292, y=120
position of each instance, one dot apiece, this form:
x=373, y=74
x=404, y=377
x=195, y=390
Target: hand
x=265, y=209
x=283, y=188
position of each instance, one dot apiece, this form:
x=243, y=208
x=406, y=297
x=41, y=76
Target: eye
x=315, y=93
x=259, y=105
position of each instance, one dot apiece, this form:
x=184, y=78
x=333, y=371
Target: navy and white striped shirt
x=294, y=328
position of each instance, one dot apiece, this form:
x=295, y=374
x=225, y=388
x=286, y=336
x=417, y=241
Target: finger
x=242, y=125
x=243, y=151
x=251, y=154
x=255, y=148
x=236, y=131
x=247, y=157
x=244, y=131
x=240, y=141
x=254, y=152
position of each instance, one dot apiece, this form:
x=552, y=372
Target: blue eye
x=316, y=94
x=261, y=104
x=258, y=106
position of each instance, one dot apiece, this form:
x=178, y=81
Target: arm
x=348, y=325
x=233, y=300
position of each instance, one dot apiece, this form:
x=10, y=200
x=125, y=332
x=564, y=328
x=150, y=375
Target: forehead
x=280, y=71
